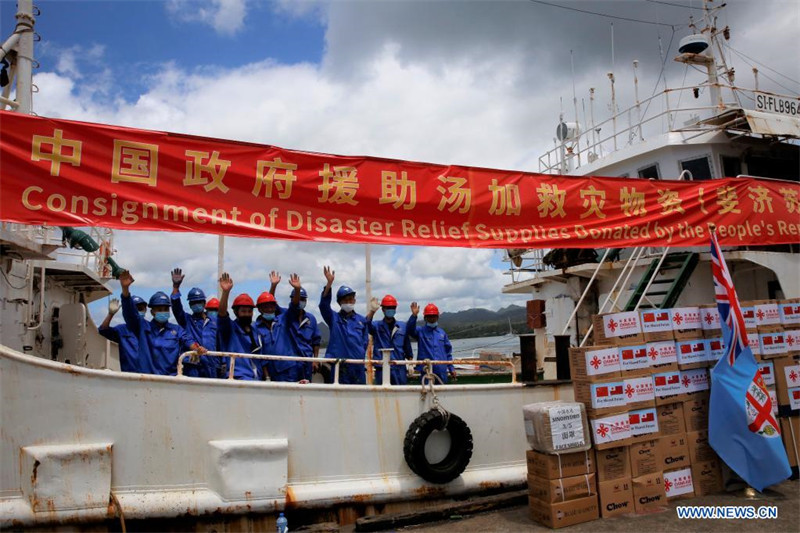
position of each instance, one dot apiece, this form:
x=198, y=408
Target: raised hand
x=374, y=304
x=414, y=308
x=275, y=277
x=126, y=280
x=294, y=281
x=329, y=274
x=225, y=282
x=113, y=306
x=177, y=278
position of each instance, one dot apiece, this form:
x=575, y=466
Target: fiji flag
x=741, y=426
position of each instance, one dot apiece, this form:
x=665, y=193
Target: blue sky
x=471, y=83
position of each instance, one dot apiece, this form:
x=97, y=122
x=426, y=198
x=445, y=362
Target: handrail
x=337, y=362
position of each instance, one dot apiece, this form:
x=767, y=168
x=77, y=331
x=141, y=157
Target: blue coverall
x=276, y=340
x=204, y=332
x=129, y=360
x=390, y=335
x=159, y=344
x=348, y=340
x=433, y=344
x=232, y=338
x=304, y=333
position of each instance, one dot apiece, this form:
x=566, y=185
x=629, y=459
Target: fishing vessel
x=84, y=444
x=714, y=129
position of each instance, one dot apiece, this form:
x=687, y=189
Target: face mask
x=268, y=316
x=197, y=308
x=244, y=320
x=389, y=313
x=348, y=308
x=142, y=313
x=431, y=324
x=302, y=304
x=212, y=314
x=161, y=317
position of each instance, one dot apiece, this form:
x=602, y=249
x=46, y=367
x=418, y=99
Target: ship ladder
x=663, y=281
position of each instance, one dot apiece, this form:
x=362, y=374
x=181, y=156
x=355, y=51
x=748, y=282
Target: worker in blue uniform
x=276, y=338
x=129, y=360
x=159, y=340
x=199, y=325
x=389, y=333
x=238, y=335
x=432, y=341
x=303, y=331
x=348, y=330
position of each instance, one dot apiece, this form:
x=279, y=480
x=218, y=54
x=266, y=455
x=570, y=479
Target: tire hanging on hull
x=458, y=456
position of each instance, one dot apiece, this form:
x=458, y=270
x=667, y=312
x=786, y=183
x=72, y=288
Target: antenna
x=612, y=47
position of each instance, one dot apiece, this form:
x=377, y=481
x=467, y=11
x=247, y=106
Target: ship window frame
x=709, y=162
x=645, y=167
x=722, y=158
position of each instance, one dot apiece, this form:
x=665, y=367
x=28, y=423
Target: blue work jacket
x=348, y=340
x=390, y=335
x=433, y=344
x=232, y=338
x=276, y=340
x=305, y=335
x=129, y=360
x=202, y=330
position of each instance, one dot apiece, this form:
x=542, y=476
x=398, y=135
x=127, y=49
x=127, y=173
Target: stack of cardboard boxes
x=562, y=487
x=776, y=327
x=645, y=384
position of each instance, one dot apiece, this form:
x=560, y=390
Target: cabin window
x=699, y=167
x=731, y=166
x=650, y=172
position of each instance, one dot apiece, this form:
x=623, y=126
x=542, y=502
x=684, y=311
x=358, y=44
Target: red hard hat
x=431, y=309
x=213, y=303
x=389, y=301
x=265, y=298
x=243, y=300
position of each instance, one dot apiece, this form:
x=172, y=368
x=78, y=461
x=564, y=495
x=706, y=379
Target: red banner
x=60, y=172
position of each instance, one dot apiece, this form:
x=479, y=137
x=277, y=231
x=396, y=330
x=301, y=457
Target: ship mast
x=21, y=44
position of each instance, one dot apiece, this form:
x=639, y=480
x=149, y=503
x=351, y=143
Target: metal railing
x=385, y=363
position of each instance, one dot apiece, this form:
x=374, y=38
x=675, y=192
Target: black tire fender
x=457, y=458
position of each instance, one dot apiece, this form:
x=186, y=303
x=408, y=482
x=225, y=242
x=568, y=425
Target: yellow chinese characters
x=670, y=202
x=632, y=202
x=338, y=186
x=203, y=167
x=728, y=200
x=56, y=155
x=279, y=175
x=135, y=162
x=505, y=199
x=762, y=200
x=551, y=201
x=400, y=192
x=593, y=202
x=455, y=196
x=790, y=197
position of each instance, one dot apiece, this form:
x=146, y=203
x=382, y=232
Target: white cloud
x=225, y=16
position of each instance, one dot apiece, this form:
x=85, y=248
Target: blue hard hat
x=137, y=300
x=158, y=299
x=196, y=295
x=303, y=293
x=343, y=292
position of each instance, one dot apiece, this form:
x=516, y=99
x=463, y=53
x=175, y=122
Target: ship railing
x=526, y=261
x=385, y=363
x=594, y=141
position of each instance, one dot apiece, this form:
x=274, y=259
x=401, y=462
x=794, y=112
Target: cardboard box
x=691, y=354
x=639, y=392
x=773, y=397
x=671, y=419
x=668, y=387
x=611, y=431
x=616, y=497
x=550, y=466
x=645, y=458
x=710, y=321
x=767, y=369
x=699, y=448
x=662, y=353
x=556, y=427
x=603, y=396
x=561, y=489
x=674, y=451
x=792, y=339
x=772, y=343
x=767, y=313
x=707, y=477
x=644, y=424
x=695, y=380
x=613, y=463
x=591, y=363
x=562, y=514
x=789, y=311
x=790, y=434
x=656, y=324
x=686, y=323
x=695, y=413
x=715, y=349
x=617, y=328
x=755, y=343
x=634, y=360
x=678, y=483
x=649, y=493
x=749, y=314
x=787, y=385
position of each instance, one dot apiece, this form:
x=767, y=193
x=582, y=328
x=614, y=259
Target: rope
x=428, y=380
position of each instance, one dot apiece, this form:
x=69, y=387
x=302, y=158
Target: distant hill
x=470, y=323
